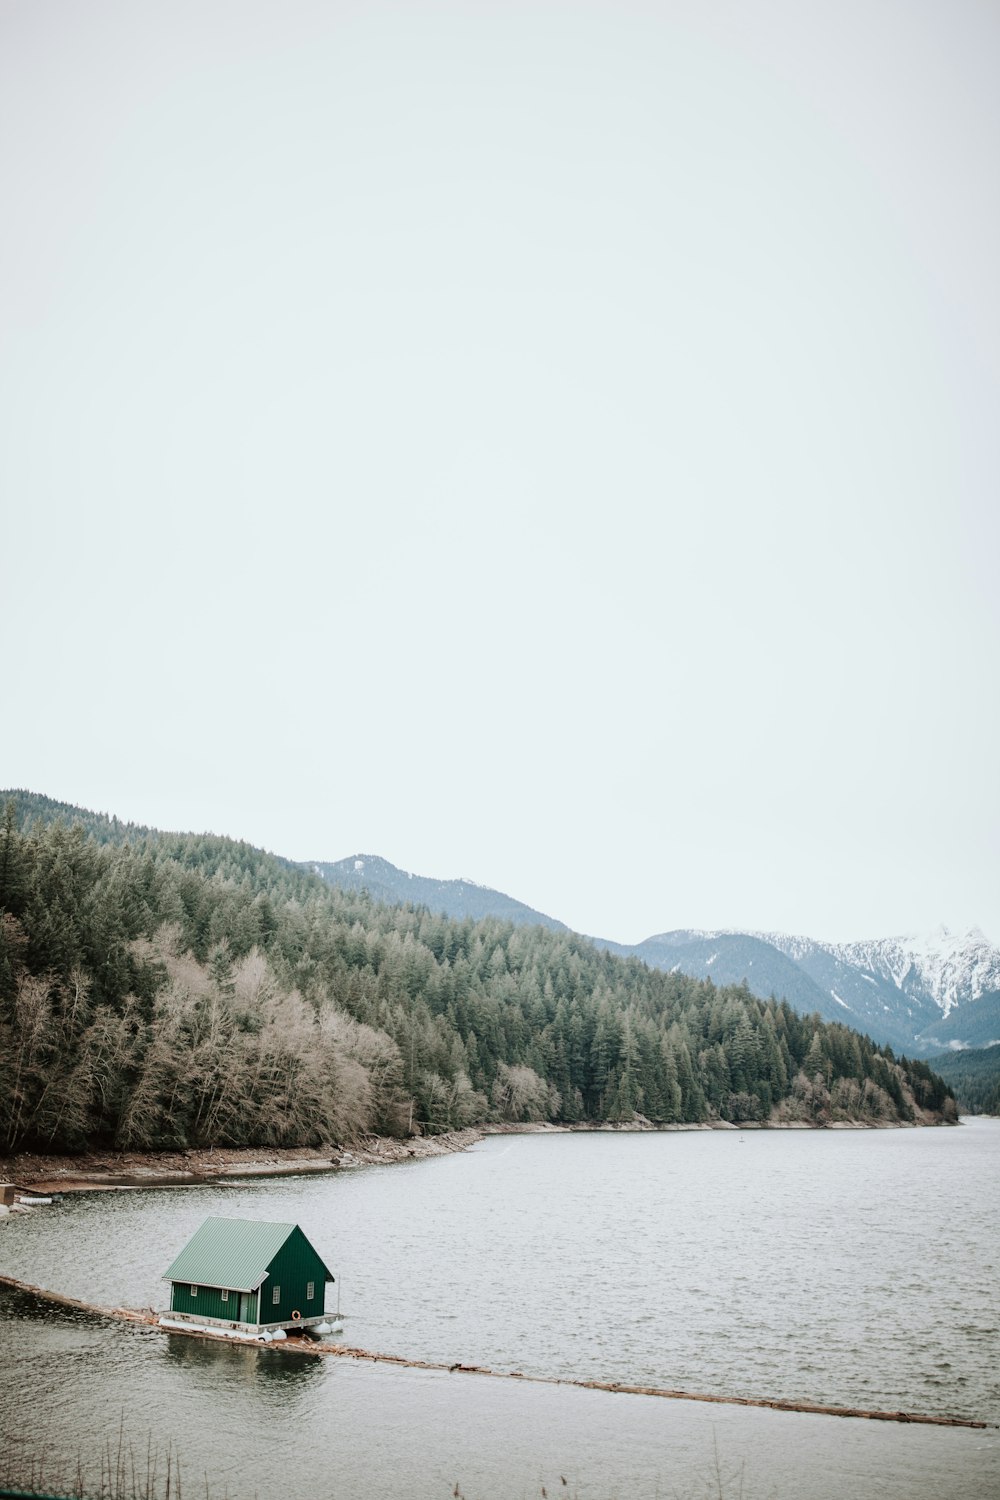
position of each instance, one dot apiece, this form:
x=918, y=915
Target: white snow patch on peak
x=359, y=864
x=700, y=934
x=711, y=960
x=790, y=944
x=839, y=1001
x=946, y=967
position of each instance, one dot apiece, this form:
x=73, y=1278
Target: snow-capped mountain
x=946, y=967
x=920, y=995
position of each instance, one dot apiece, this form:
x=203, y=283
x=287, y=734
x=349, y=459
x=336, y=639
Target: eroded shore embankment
x=91, y=1171
x=324, y=1348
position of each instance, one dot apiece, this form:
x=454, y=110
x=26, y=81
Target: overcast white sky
x=555, y=444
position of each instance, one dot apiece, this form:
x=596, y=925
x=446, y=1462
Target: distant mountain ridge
x=917, y=994
x=171, y=991
x=946, y=967
x=920, y=995
x=459, y=899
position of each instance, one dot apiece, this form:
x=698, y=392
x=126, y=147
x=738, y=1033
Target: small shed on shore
x=244, y=1275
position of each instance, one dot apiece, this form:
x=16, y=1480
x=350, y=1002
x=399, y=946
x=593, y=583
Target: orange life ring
x=296, y=1317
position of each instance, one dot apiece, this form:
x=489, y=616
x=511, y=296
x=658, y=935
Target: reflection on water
x=248, y=1421
x=268, y=1374
x=850, y=1268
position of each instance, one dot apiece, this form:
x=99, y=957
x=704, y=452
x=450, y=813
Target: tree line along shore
x=169, y=993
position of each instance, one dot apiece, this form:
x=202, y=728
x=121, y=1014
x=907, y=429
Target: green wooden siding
x=291, y=1270
x=208, y=1303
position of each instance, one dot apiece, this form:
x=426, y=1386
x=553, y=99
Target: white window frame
x=275, y=1295
x=225, y=1294
x=194, y=1291
x=310, y=1290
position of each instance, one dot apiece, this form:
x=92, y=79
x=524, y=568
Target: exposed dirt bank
x=94, y=1171
x=127, y=1169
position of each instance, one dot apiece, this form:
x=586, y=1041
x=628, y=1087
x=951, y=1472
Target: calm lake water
x=851, y=1268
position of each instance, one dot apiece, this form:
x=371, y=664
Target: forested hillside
x=974, y=1078
x=168, y=990
x=916, y=994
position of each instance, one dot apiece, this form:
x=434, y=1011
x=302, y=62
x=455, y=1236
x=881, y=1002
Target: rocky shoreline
x=110, y=1170
x=96, y=1171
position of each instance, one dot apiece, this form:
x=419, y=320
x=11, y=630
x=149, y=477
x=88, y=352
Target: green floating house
x=241, y=1276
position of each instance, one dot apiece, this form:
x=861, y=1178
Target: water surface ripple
x=849, y=1268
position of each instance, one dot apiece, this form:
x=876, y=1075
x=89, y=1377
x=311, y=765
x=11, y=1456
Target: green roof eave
x=220, y=1286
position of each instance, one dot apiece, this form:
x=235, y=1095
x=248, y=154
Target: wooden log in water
x=344, y=1351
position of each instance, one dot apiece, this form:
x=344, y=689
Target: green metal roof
x=233, y=1253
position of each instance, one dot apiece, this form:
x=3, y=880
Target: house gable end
x=294, y=1268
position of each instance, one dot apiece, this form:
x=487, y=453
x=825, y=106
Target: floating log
x=615, y=1387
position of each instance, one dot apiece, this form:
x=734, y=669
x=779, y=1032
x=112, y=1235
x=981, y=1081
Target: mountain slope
x=457, y=899
x=905, y=989
x=974, y=1078
x=731, y=958
x=975, y=1024
x=944, y=968
x=861, y=992
x=178, y=989
x=915, y=995
x=900, y=991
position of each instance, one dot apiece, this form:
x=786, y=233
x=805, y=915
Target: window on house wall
x=194, y=1291
x=225, y=1296
x=276, y=1294
x=310, y=1290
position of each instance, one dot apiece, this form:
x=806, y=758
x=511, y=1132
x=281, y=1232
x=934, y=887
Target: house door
x=244, y=1307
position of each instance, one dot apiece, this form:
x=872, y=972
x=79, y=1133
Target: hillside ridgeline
x=171, y=991
x=918, y=995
